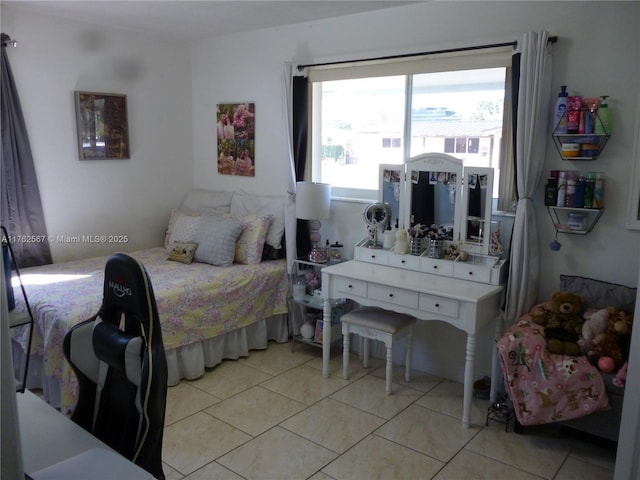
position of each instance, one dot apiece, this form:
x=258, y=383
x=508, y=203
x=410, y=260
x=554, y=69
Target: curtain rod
x=513, y=44
x=6, y=40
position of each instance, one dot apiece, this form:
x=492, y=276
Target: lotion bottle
x=560, y=112
x=603, y=120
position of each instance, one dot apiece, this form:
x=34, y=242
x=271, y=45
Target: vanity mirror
x=376, y=216
x=390, y=188
x=435, y=188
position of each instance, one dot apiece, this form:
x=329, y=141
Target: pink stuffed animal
x=621, y=377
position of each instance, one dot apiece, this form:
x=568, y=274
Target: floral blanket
x=544, y=387
x=195, y=301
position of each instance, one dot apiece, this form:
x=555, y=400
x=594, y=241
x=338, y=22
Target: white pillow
x=184, y=229
x=243, y=204
x=216, y=238
x=203, y=200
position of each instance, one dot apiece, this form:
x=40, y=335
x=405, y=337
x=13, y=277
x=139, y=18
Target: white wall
x=132, y=197
x=591, y=57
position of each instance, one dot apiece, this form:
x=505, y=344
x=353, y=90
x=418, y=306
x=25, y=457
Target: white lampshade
x=313, y=200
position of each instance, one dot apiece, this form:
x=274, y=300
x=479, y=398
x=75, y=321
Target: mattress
x=196, y=302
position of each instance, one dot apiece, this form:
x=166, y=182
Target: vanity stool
x=378, y=324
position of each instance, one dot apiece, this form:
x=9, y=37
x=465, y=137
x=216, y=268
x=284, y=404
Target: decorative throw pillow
x=216, y=238
x=182, y=252
x=250, y=243
x=243, y=203
x=184, y=228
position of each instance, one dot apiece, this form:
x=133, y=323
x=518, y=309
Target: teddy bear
x=593, y=329
x=614, y=343
x=562, y=323
x=621, y=377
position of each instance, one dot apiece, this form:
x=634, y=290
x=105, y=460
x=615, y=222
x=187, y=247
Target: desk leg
x=326, y=336
x=468, y=379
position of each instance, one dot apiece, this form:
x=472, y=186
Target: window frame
x=494, y=57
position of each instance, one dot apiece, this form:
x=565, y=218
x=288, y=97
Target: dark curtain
x=300, y=138
x=22, y=213
x=515, y=90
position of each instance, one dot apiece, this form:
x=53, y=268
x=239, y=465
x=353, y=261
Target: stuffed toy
x=562, y=323
x=593, y=329
x=615, y=341
x=621, y=377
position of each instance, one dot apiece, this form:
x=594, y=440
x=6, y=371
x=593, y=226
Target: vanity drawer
x=348, y=285
x=410, y=262
x=372, y=255
x=434, y=304
x=436, y=266
x=395, y=296
x=469, y=271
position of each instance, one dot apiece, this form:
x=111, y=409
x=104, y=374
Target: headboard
x=598, y=294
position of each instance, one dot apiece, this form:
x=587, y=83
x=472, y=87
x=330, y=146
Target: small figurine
x=402, y=242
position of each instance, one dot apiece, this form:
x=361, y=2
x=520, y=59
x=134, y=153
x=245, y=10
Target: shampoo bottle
x=560, y=112
x=603, y=119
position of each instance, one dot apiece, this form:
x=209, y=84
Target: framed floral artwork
x=102, y=124
x=235, y=134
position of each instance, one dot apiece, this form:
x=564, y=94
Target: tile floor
x=273, y=416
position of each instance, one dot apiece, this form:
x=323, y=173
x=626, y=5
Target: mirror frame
x=442, y=162
x=481, y=247
x=399, y=168
x=434, y=162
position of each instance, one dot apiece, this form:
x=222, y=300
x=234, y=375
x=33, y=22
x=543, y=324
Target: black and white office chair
x=119, y=360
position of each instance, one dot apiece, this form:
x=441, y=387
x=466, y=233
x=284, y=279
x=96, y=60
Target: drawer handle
x=435, y=267
x=350, y=286
x=470, y=273
x=373, y=256
x=403, y=261
x=391, y=295
x=437, y=305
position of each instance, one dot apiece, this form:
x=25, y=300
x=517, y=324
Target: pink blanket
x=544, y=387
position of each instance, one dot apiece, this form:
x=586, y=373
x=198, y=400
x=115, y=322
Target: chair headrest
x=128, y=291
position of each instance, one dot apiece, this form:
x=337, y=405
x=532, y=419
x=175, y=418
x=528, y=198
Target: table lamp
x=313, y=201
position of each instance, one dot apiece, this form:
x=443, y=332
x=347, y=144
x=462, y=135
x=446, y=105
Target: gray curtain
x=22, y=213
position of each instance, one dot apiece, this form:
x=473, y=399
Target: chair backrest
x=119, y=360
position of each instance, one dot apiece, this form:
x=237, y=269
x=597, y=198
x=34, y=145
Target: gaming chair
x=119, y=360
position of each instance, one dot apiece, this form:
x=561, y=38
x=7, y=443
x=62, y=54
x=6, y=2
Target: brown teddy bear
x=615, y=341
x=562, y=323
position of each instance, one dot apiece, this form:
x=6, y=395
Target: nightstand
x=306, y=304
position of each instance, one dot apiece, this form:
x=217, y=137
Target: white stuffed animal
x=402, y=242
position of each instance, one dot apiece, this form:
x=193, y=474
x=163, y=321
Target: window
x=365, y=117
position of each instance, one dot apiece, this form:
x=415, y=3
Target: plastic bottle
x=551, y=192
x=570, y=195
x=598, y=192
x=603, y=118
x=388, y=238
x=562, y=189
x=560, y=111
x=589, y=187
x=579, y=198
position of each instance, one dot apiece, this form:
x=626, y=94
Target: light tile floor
x=273, y=416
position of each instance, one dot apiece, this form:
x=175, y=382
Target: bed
x=212, y=305
x=550, y=388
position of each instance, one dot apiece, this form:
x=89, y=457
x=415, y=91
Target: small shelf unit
x=560, y=218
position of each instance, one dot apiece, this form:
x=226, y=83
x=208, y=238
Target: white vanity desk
x=464, y=304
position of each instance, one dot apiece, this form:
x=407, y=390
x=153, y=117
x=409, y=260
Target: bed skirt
x=188, y=362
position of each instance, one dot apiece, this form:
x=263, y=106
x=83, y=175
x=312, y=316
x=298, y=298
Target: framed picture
x=103, y=127
x=235, y=134
x=319, y=331
x=633, y=215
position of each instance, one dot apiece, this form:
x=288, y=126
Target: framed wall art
x=235, y=133
x=103, y=127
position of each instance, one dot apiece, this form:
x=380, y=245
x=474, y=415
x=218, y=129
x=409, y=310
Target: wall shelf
x=563, y=223
x=597, y=141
